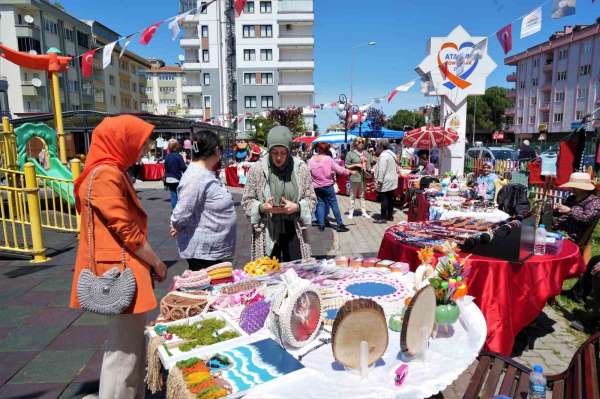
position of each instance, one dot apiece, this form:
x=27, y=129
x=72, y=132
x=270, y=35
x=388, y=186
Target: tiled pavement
x=48, y=350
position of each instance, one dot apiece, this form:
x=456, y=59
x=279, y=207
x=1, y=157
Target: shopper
x=323, y=169
x=360, y=161
x=174, y=168
x=526, y=153
x=204, y=220
x=279, y=199
x=386, y=180
x=118, y=232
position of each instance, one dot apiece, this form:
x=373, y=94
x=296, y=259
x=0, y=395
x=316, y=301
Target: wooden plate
x=359, y=320
x=419, y=319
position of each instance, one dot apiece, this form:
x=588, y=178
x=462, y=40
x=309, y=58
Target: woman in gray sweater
x=204, y=220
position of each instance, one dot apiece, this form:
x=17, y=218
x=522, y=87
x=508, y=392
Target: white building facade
x=274, y=62
x=164, y=88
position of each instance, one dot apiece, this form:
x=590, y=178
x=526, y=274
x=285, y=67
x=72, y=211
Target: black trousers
x=589, y=283
x=287, y=245
x=387, y=204
x=199, y=264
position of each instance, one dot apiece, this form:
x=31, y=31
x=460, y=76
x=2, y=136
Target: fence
x=502, y=168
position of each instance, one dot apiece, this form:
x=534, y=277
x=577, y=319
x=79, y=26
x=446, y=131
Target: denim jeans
x=326, y=199
x=173, y=190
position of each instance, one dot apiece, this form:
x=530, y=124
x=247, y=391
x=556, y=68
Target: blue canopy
x=367, y=131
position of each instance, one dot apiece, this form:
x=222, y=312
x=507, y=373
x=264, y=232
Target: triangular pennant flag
x=404, y=87
x=127, y=42
x=532, y=23
x=563, y=8
x=148, y=33
x=107, y=54
x=174, y=26
x=504, y=36
x=87, y=59
x=239, y=7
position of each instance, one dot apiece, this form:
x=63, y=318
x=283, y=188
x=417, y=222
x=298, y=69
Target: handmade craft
x=191, y=281
x=400, y=374
x=400, y=267
x=220, y=273
x=254, y=315
x=295, y=315
x=262, y=266
x=380, y=287
x=419, y=319
x=330, y=309
x=385, y=263
x=356, y=262
x=192, y=378
x=240, y=286
x=371, y=262
x=178, y=305
x=425, y=270
x=449, y=286
x=395, y=322
x=342, y=261
x=359, y=320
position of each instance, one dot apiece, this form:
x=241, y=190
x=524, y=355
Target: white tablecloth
x=495, y=216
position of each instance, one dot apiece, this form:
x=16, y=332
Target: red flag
x=504, y=36
x=148, y=33
x=239, y=7
x=87, y=59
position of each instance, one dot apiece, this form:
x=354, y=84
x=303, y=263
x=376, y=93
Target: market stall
x=232, y=177
x=343, y=183
x=153, y=171
x=335, y=327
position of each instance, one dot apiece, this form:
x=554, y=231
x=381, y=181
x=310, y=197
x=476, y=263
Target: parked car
x=493, y=153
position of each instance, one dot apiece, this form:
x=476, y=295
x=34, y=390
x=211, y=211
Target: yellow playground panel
x=32, y=201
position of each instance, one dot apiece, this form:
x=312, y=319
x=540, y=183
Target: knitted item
x=222, y=280
x=254, y=315
x=153, y=371
x=191, y=279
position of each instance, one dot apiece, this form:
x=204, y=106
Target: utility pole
x=474, y=120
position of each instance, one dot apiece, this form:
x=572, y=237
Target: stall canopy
x=305, y=139
x=366, y=130
x=335, y=138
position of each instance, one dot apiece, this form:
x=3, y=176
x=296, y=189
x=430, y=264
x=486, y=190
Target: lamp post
x=371, y=43
x=346, y=113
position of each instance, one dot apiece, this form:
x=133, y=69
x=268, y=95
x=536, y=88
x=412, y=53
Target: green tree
x=489, y=112
x=291, y=118
x=404, y=119
x=261, y=129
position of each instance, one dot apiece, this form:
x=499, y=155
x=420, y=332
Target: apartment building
x=274, y=63
x=557, y=82
x=37, y=25
x=164, y=88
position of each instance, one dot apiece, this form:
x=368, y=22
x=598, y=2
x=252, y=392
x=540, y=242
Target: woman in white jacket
x=386, y=179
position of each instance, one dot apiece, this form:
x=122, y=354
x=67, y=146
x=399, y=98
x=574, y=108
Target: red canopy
x=428, y=137
x=304, y=139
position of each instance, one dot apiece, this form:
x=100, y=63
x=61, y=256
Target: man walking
x=386, y=179
x=359, y=161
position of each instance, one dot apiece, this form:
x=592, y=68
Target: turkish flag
x=148, y=33
x=87, y=59
x=504, y=36
x=239, y=7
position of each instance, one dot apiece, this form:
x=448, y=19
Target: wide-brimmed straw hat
x=579, y=180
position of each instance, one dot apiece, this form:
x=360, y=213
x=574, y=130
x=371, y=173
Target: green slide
x=26, y=132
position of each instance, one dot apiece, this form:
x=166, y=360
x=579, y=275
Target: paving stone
x=62, y=284
x=53, y=316
x=91, y=319
x=11, y=362
x=30, y=391
x=15, y=315
x=53, y=367
x=80, y=337
x=91, y=371
x=29, y=338
x=81, y=389
x=42, y=298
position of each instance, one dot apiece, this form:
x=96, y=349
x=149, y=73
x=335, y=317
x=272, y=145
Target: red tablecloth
x=343, y=183
x=509, y=295
x=153, y=171
x=231, y=176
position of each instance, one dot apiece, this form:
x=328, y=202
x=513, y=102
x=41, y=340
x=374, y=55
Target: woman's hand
x=596, y=269
x=160, y=271
x=173, y=232
x=289, y=207
x=268, y=207
x=562, y=208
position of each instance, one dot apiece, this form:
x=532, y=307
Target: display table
x=231, y=175
x=344, y=187
x=153, y=171
x=494, y=216
x=510, y=295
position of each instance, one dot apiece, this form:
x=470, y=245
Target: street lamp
x=346, y=112
x=371, y=43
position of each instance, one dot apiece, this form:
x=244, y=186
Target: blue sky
x=401, y=29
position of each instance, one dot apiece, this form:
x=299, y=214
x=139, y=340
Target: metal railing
x=57, y=204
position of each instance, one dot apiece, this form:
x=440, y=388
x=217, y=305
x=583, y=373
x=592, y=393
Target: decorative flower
x=425, y=255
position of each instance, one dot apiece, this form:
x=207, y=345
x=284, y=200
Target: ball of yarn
x=253, y=316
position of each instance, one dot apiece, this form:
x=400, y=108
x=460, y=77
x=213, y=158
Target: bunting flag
x=504, y=36
x=174, y=26
x=532, y=23
x=86, y=63
x=239, y=7
x=148, y=33
x=563, y=8
x=107, y=54
x=127, y=42
x=404, y=87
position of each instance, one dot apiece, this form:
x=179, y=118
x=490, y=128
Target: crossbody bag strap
x=90, y=225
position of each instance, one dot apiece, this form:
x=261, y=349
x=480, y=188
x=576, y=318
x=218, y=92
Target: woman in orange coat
x=119, y=227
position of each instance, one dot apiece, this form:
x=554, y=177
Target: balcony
x=190, y=42
x=511, y=77
x=547, y=87
x=292, y=6
x=509, y=111
x=191, y=66
x=30, y=90
x=195, y=112
x=548, y=67
x=545, y=106
x=511, y=93
x=296, y=64
x=296, y=40
x=307, y=87
x=28, y=31
x=191, y=89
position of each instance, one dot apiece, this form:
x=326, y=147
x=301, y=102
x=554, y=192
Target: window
x=204, y=31
x=249, y=8
x=266, y=101
x=558, y=117
x=579, y=115
x=533, y=101
x=148, y=89
x=166, y=76
x=111, y=80
x=113, y=100
x=582, y=93
x=536, y=62
x=265, y=7
x=248, y=31
x=532, y=120
x=70, y=35
x=99, y=96
x=249, y=78
x=562, y=75
x=266, y=31
x=248, y=125
x=534, y=82
x=206, y=101
x=135, y=87
x=167, y=90
x=83, y=39
x=250, y=101
x=520, y=120
x=206, y=79
x=522, y=84
x=249, y=55
x=51, y=26
x=559, y=96
x=520, y=103
x=563, y=54
x=266, y=78
x=266, y=54
x=585, y=70
x=28, y=44
x=587, y=47
x=205, y=57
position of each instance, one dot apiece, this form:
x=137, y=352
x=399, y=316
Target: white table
x=495, y=216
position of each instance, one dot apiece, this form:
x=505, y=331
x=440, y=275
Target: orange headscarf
x=116, y=141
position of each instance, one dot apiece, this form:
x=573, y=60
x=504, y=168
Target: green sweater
x=353, y=158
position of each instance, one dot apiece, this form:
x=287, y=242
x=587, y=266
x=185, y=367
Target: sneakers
x=365, y=214
x=351, y=213
x=342, y=229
